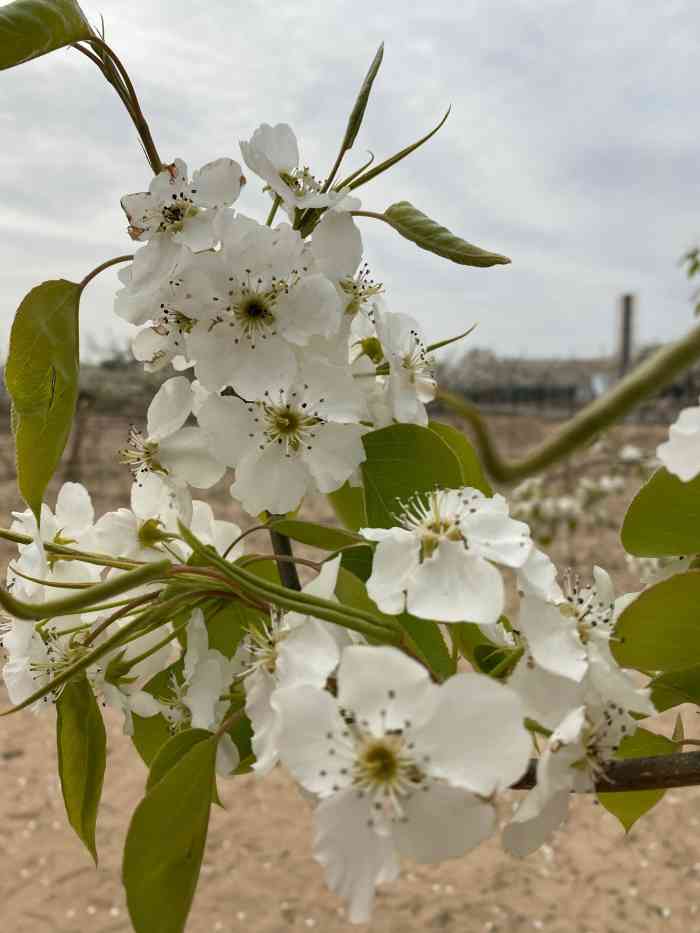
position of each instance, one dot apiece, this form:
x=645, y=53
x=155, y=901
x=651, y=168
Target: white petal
x=311, y=307
x=265, y=720
x=202, y=696
x=680, y=454
x=308, y=655
x=497, y=537
x=547, y=698
x=553, y=638
x=186, y=456
x=218, y=183
x=255, y=369
x=355, y=857
x=538, y=577
x=395, y=562
x=336, y=245
x=475, y=738
x=197, y=232
x=442, y=822
x=454, y=585
x=336, y=452
x=314, y=742
x=270, y=481
x=535, y=821
x=227, y=424
x=227, y=756
x=74, y=510
x=170, y=408
x=384, y=688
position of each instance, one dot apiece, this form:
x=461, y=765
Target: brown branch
x=658, y=773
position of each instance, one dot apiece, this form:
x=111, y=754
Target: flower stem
x=105, y=265
x=282, y=547
x=644, y=380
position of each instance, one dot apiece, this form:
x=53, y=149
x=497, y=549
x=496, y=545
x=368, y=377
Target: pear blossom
x=298, y=438
x=184, y=210
x=411, y=378
x=196, y=701
x=179, y=454
x=272, y=153
x=577, y=750
x=291, y=650
x=387, y=760
x=257, y=302
x=438, y=561
x=680, y=454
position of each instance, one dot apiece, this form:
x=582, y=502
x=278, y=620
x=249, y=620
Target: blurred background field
x=258, y=873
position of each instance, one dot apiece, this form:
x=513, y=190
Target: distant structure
x=627, y=316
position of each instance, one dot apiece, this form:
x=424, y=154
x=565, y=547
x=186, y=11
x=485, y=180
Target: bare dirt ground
x=258, y=872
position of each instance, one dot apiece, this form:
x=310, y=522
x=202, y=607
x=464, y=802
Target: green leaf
x=321, y=536
x=471, y=641
x=402, y=460
x=663, y=518
x=151, y=733
x=628, y=806
x=660, y=629
x=174, y=751
x=676, y=687
x=358, y=560
x=82, y=743
x=358, y=111
x=30, y=28
x=165, y=843
x=415, y=226
x=348, y=503
x=42, y=379
x=472, y=473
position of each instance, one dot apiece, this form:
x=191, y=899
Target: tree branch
x=658, y=773
x=644, y=380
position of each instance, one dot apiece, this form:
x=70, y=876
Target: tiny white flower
x=438, y=563
x=387, y=759
x=411, y=378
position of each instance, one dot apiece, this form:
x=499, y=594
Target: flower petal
x=169, y=408
x=218, y=183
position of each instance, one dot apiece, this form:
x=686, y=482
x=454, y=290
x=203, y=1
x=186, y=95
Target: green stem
x=273, y=210
x=105, y=265
x=644, y=380
x=69, y=553
x=507, y=664
x=125, y=610
x=84, y=599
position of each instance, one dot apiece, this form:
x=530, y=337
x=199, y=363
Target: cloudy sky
x=572, y=147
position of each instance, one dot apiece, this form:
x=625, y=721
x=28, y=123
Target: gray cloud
x=571, y=147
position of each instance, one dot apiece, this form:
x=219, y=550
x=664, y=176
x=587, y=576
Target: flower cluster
x=293, y=351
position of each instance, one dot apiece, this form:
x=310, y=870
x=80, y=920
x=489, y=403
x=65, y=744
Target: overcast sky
x=572, y=147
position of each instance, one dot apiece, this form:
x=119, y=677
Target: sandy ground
x=258, y=873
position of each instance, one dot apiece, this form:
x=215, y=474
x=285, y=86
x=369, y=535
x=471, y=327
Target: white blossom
x=401, y=766
x=438, y=562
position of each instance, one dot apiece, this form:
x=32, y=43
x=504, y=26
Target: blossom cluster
x=285, y=355
x=293, y=351
x=397, y=762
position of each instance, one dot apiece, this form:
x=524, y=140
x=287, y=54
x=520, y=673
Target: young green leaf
x=358, y=111
x=165, y=843
x=81, y=743
x=30, y=28
x=629, y=806
x=42, y=379
x=660, y=629
x=429, y=235
x=402, y=460
x=663, y=518
x=472, y=473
